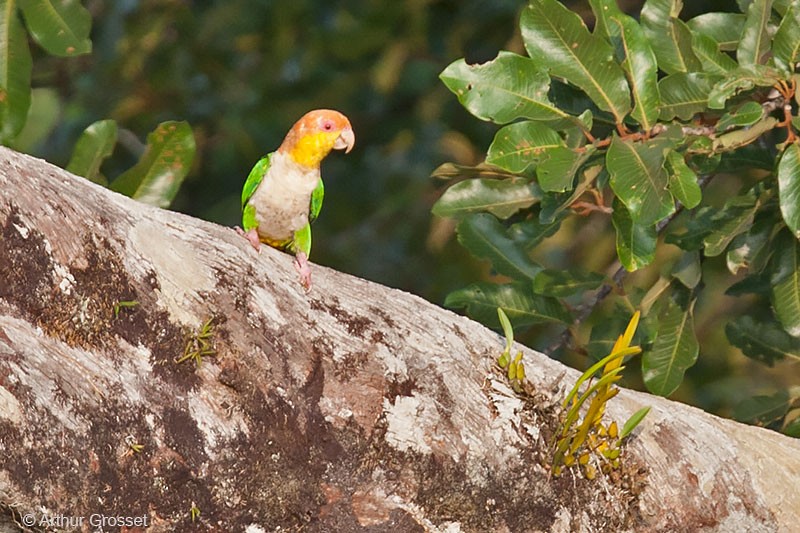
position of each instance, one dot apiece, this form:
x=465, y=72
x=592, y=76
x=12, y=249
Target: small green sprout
x=133, y=446
x=122, y=305
x=589, y=442
x=194, y=512
x=515, y=369
x=199, y=344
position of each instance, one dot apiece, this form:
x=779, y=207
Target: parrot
x=283, y=193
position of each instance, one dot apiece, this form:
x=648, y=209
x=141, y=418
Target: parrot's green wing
x=302, y=237
x=253, y=181
x=316, y=201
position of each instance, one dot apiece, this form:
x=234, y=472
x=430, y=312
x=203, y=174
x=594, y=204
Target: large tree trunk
x=354, y=407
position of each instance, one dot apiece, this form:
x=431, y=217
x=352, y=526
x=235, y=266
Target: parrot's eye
x=327, y=125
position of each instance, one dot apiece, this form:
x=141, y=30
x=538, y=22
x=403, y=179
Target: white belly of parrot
x=283, y=198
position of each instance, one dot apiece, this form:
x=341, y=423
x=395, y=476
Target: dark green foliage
x=693, y=114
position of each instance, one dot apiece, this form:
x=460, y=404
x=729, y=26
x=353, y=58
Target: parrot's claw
x=251, y=236
x=301, y=264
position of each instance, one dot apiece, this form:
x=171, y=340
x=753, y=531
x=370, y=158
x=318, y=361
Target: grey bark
x=352, y=408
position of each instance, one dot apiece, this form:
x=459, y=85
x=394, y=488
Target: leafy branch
x=629, y=123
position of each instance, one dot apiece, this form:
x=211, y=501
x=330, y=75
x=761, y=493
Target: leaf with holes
x=639, y=179
x=556, y=38
x=504, y=89
x=558, y=166
x=517, y=146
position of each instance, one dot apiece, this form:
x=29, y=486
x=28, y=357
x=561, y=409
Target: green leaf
x=508, y=329
x=557, y=38
x=707, y=50
x=504, y=89
x=502, y=198
x=95, y=144
x=669, y=36
x=741, y=79
x=633, y=421
x=755, y=42
x=636, y=244
x=674, y=350
x=749, y=250
x=736, y=139
x=517, y=146
x=639, y=179
x=15, y=73
x=786, y=44
x=158, y=175
x=763, y=409
x=789, y=187
x=746, y=115
x=486, y=238
x=43, y=115
x=749, y=155
x=785, y=280
x=561, y=283
x=697, y=229
x=637, y=58
x=755, y=284
x=62, y=28
x=529, y=233
x=558, y=166
x=792, y=429
x=684, y=95
x=448, y=171
x=762, y=340
x=687, y=270
x=683, y=181
x=724, y=28
x=734, y=218
x=522, y=307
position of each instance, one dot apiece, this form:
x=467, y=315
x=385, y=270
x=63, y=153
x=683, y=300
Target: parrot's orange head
x=316, y=134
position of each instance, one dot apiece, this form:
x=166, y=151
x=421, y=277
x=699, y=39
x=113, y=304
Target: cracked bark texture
x=353, y=408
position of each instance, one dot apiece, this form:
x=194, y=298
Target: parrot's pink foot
x=301, y=264
x=251, y=236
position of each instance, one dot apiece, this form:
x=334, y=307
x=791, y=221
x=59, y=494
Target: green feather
x=254, y=180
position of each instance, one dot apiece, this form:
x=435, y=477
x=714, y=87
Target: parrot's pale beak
x=345, y=141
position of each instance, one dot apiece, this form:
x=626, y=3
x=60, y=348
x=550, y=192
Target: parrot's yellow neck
x=311, y=149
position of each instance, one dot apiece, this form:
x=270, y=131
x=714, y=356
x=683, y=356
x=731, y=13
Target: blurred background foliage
x=242, y=71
